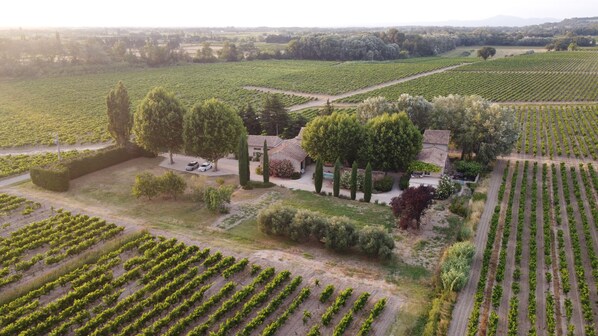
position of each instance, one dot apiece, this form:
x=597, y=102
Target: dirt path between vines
x=465, y=300
x=320, y=99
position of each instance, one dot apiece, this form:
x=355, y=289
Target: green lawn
x=362, y=213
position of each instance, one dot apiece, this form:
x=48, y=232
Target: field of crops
x=15, y=164
x=311, y=113
x=540, y=269
x=496, y=86
x=153, y=286
x=579, y=61
x=556, y=130
x=33, y=110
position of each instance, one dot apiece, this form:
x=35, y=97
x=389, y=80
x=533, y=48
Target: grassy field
x=501, y=51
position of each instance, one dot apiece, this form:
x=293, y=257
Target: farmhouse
x=255, y=143
x=434, y=152
x=291, y=150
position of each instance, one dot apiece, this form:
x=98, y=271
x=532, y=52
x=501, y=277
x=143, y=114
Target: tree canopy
x=486, y=52
x=373, y=107
x=250, y=120
x=339, y=135
x=274, y=117
x=120, y=119
x=411, y=205
x=212, y=130
x=477, y=126
x=417, y=108
x=395, y=141
x=159, y=121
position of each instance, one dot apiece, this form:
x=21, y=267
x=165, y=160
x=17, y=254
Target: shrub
x=385, y=184
x=346, y=180
x=404, y=181
x=308, y=223
x=146, y=184
x=276, y=219
x=172, y=184
x=469, y=168
x=216, y=199
x=296, y=175
x=459, y=206
x=374, y=241
x=54, y=177
x=446, y=187
x=281, y=168
x=259, y=170
x=341, y=233
x=454, y=270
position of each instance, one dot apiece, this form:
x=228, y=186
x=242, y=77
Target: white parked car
x=205, y=167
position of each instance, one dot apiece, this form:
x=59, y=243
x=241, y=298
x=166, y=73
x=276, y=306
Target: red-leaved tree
x=411, y=205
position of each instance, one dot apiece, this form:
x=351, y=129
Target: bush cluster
x=149, y=185
x=338, y=233
x=56, y=176
x=281, y=168
x=469, y=168
x=384, y=184
x=454, y=270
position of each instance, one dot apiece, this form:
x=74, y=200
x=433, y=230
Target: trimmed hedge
x=56, y=176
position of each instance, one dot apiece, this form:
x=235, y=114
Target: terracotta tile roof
x=258, y=140
x=435, y=156
x=437, y=137
x=291, y=149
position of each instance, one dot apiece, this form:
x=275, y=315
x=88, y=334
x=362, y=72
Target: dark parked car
x=192, y=166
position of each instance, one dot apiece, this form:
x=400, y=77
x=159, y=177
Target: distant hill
x=495, y=21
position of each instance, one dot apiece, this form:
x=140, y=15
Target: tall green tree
x=250, y=120
x=339, y=135
x=319, y=176
x=336, y=184
x=158, y=122
x=266, y=164
x=395, y=140
x=367, y=183
x=120, y=119
x=229, y=52
x=418, y=109
x=274, y=116
x=212, y=130
x=243, y=157
x=486, y=52
x=373, y=107
x=205, y=54
x=354, y=181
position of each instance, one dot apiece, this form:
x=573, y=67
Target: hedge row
x=56, y=176
x=338, y=233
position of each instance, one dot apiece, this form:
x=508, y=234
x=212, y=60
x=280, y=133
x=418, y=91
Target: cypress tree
x=266, y=164
x=247, y=167
x=336, y=187
x=120, y=119
x=243, y=161
x=319, y=177
x=354, y=180
x=367, y=183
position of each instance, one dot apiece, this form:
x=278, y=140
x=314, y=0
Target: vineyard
x=15, y=164
x=33, y=110
x=558, y=130
x=580, y=61
x=496, y=86
x=311, y=113
x=151, y=285
x=539, y=268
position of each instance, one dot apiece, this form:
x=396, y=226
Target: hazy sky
x=281, y=13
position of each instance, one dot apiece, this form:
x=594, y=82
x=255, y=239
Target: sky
x=273, y=13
